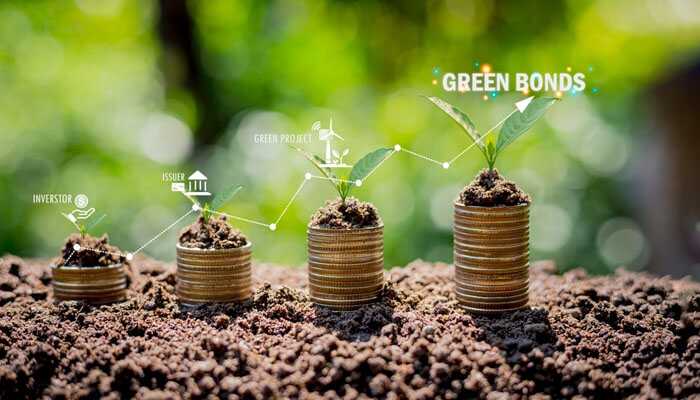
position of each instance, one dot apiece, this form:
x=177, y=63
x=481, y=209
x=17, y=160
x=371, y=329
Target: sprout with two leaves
x=208, y=209
x=344, y=184
x=84, y=228
x=513, y=127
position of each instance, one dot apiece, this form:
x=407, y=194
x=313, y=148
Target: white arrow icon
x=519, y=106
x=522, y=104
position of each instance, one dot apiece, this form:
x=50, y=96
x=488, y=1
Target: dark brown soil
x=350, y=214
x=94, y=252
x=490, y=189
x=626, y=335
x=216, y=233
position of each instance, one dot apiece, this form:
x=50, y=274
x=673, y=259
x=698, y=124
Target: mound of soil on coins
x=626, y=335
x=216, y=233
x=94, y=252
x=490, y=189
x=348, y=214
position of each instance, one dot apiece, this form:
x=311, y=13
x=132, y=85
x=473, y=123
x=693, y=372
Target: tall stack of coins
x=491, y=257
x=93, y=285
x=346, y=266
x=213, y=275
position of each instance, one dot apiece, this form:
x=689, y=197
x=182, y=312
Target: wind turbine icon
x=327, y=135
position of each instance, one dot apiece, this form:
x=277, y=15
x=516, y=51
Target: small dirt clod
x=348, y=214
x=490, y=189
x=216, y=233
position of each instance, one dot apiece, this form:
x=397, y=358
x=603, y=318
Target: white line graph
x=307, y=177
x=396, y=149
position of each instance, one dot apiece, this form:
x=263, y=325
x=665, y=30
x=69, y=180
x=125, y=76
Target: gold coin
x=346, y=282
x=332, y=273
x=493, y=304
x=322, y=291
x=493, y=296
x=488, y=311
x=345, y=297
x=337, y=267
x=343, y=305
x=492, y=291
x=492, y=273
x=491, y=286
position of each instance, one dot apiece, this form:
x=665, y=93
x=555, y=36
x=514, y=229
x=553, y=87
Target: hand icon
x=77, y=214
x=83, y=214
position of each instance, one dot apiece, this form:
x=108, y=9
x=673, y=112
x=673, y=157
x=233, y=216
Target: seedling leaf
x=206, y=212
x=460, y=118
x=223, y=197
x=369, y=162
x=491, y=154
x=519, y=122
x=317, y=161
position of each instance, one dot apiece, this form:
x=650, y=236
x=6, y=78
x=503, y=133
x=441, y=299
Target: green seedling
x=208, y=209
x=84, y=229
x=513, y=127
x=344, y=184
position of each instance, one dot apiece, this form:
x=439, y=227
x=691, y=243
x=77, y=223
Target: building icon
x=197, y=185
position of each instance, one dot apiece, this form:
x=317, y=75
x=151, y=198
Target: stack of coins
x=93, y=285
x=491, y=256
x=346, y=266
x=213, y=275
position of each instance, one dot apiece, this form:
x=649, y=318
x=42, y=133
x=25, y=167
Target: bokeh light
x=99, y=97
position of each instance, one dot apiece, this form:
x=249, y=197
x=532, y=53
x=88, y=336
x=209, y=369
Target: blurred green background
x=103, y=96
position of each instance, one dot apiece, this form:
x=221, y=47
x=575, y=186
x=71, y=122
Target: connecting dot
x=129, y=256
x=307, y=176
x=358, y=182
x=445, y=165
x=397, y=147
x=76, y=247
x=196, y=207
x=273, y=227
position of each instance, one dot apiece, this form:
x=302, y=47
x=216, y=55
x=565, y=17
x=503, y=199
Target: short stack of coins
x=93, y=285
x=491, y=257
x=213, y=275
x=346, y=266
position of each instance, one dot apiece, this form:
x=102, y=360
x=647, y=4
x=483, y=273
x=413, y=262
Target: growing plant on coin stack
x=213, y=258
x=491, y=226
x=89, y=269
x=345, y=240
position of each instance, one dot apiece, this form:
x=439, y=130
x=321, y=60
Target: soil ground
x=350, y=214
x=491, y=189
x=95, y=252
x=216, y=233
x=626, y=335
